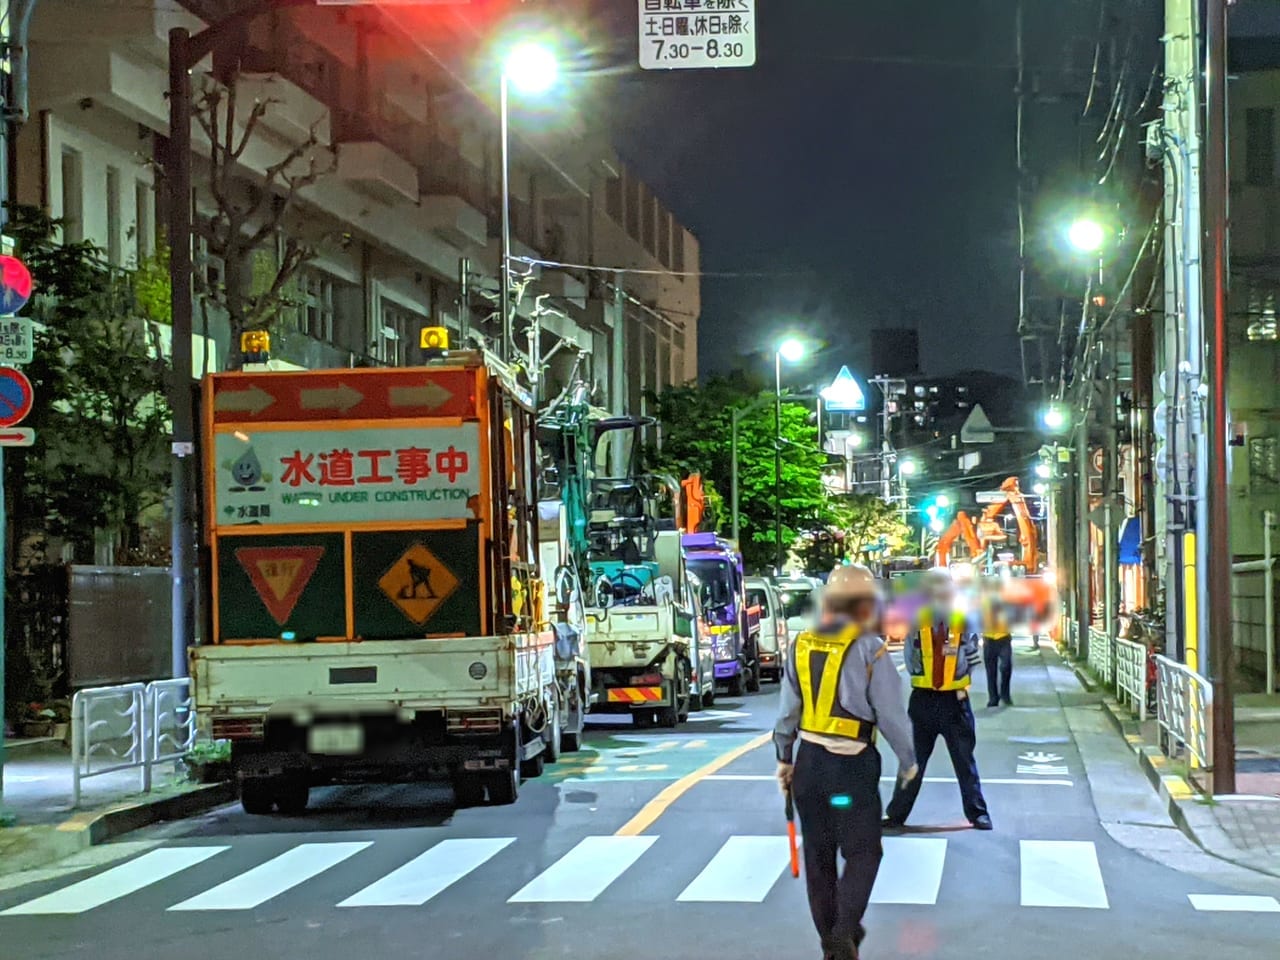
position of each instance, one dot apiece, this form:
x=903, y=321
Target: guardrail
x=1184, y=710
x=1101, y=655
x=1131, y=676
x=133, y=726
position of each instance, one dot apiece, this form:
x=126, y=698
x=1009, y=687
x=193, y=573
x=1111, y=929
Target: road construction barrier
x=1131, y=676
x=1184, y=711
x=132, y=726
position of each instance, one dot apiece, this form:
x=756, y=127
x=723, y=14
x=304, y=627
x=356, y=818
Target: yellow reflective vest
x=819, y=663
x=995, y=625
x=939, y=656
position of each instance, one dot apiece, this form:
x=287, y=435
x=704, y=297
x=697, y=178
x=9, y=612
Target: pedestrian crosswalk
x=742, y=869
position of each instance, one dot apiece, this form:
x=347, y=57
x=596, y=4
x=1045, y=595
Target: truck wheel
x=255, y=796
x=642, y=719
x=504, y=787
x=551, y=737
x=291, y=796
x=753, y=678
x=709, y=698
x=532, y=768
x=468, y=790
x=571, y=739
x=737, y=685
x=684, y=699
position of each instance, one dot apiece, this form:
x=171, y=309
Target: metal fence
x=1101, y=658
x=1184, y=710
x=1131, y=676
x=133, y=726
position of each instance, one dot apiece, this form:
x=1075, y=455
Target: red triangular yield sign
x=280, y=574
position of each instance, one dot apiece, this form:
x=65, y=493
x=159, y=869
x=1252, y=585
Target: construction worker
x=839, y=688
x=940, y=657
x=997, y=644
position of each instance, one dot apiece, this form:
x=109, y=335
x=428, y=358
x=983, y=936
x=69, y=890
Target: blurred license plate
x=336, y=739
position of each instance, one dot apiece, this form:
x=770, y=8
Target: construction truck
x=622, y=555
x=982, y=537
x=377, y=609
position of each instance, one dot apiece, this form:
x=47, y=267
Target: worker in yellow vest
x=940, y=656
x=839, y=688
x=997, y=644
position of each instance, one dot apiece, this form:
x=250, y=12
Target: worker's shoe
x=992, y=704
x=839, y=948
x=889, y=823
x=1008, y=701
x=982, y=822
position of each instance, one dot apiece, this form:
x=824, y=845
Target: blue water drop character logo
x=246, y=471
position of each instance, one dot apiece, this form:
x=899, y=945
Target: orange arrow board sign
x=280, y=574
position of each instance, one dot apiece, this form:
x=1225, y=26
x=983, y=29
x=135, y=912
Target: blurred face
x=942, y=594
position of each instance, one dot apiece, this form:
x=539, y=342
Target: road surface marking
x=255, y=887
x=695, y=744
x=1007, y=782
x=1234, y=903
x=424, y=876
x=911, y=871
x=744, y=870
x=1062, y=873
x=117, y=882
x=656, y=807
x=584, y=872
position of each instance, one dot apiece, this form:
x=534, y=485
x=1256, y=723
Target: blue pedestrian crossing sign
x=844, y=394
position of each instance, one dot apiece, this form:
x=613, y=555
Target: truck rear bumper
x=729, y=668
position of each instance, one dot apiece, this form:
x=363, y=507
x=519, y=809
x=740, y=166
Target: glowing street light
x=1054, y=418
x=1086, y=235
x=532, y=68
x=791, y=350
x=1044, y=471
x=908, y=468
x=942, y=500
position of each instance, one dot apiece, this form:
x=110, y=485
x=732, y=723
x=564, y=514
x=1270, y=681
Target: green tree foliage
x=100, y=413
x=696, y=425
x=866, y=520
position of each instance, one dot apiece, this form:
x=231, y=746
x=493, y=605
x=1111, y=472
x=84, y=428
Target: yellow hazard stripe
x=634, y=694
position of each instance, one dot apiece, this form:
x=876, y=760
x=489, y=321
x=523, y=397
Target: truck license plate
x=336, y=739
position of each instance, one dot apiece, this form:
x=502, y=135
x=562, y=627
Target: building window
x=613, y=199
x=1260, y=146
x=209, y=269
x=398, y=335
x=1264, y=466
x=144, y=223
x=72, y=196
x=315, y=308
x=114, y=226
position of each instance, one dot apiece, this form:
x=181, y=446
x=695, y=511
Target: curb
x=1179, y=796
x=83, y=830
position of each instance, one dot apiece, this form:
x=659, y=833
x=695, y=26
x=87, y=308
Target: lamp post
x=790, y=350
x=533, y=69
x=906, y=468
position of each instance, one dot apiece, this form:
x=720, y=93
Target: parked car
x=800, y=598
x=773, y=626
x=702, y=676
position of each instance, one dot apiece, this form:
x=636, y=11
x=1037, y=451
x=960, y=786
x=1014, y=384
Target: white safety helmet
x=852, y=582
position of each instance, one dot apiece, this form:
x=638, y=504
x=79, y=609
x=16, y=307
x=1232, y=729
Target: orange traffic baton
x=791, y=834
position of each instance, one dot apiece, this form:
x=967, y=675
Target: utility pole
x=464, y=300
x=1218, y=599
x=887, y=387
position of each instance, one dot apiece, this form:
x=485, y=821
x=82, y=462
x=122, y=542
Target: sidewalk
x=1243, y=828
x=37, y=800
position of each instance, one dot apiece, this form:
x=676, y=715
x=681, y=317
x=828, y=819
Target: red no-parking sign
x=15, y=397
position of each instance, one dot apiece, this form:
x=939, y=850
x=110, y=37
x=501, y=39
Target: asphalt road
x=626, y=850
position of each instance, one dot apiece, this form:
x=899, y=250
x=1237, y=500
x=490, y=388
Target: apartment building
x=412, y=193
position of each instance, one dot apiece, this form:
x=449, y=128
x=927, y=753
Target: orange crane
x=988, y=529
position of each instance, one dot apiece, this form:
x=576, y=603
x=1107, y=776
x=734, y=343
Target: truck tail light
x=647, y=680
x=239, y=728
x=474, y=721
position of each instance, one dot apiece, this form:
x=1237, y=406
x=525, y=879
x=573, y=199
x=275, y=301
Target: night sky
x=866, y=162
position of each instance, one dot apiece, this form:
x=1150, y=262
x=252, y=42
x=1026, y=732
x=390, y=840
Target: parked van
x=773, y=627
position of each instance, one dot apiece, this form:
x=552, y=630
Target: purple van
x=734, y=628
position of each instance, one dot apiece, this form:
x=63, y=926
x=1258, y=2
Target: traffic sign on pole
x=15, y=397
x=688, y=39
x=17, y=341
x=17, y=437
x=15, y=285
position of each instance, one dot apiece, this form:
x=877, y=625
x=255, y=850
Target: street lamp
x=1054, y=418
x=1086, y=235
x=1044, y=471
x=790, y=350
x=908, y=468
x=532, y=69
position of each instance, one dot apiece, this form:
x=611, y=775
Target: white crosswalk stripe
x=743, y=869
x=1062, y=873
x=255, y=887
x=117, y=882
x=911, y=871
x=424, y=876
x=584, y=872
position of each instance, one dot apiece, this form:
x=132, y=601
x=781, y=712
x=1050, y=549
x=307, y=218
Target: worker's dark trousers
x=852, y=827
x=998, y=655
x=940, y=713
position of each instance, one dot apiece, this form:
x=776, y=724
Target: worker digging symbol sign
x=280, y=574
x=417, y=583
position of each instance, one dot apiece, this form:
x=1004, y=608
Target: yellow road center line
x=656, y=807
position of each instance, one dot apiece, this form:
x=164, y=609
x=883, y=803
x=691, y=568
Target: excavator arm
x=961, y=527
x=1028, y=539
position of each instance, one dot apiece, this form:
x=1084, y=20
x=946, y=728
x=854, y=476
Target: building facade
x=406, y=211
